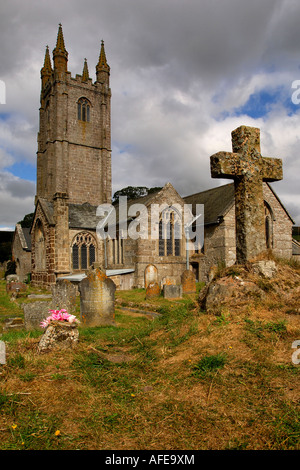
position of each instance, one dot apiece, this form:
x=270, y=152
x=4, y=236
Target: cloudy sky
x=184, y=74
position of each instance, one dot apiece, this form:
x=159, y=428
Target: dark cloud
x=178, y=71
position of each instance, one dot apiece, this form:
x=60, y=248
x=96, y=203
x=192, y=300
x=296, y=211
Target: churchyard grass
x=180, y=380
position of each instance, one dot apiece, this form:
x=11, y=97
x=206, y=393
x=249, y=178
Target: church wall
x=88, y=144
x=215, y=251
x=282, y=226
x=43, y=276
x=83, y=187
x=61, y=217
x=21, y=257
x=167, y=266
x=219, y=245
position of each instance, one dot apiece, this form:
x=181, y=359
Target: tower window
x=83, y=110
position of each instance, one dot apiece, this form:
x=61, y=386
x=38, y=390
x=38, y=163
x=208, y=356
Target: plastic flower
x=59, y=315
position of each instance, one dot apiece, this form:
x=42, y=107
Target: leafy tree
x=27, y=221
x=134, y=192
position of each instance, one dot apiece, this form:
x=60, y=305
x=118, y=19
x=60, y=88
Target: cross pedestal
x=246, y=166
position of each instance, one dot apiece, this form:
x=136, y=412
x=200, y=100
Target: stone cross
x=248, y=169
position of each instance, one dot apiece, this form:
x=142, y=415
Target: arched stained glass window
x=83, y=251
x=169, y=230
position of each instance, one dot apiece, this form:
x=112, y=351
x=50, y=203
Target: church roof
x=83, y=216
x=24, y=237
x=217, y=201
x=26, y=232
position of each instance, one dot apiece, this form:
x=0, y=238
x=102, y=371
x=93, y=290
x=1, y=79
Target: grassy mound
x=183, y=379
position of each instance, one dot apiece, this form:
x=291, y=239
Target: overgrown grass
x=180, y=380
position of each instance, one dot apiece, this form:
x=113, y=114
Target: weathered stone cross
x=248, y=169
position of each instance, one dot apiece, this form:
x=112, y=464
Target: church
x=74, y=177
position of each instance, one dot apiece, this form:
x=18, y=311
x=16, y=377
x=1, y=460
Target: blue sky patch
x=259, y=104
x=23, y=170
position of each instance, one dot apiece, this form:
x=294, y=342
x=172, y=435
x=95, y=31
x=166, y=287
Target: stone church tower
x=73, y=164
x=74, y=155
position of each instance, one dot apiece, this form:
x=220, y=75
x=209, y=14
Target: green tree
x=134, y=192
x=27, y=221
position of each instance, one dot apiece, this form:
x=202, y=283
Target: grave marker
x=97, y=299
x=188, y=282
x=150, y=275
x=153, y=290
x=2, y=353
x=249, y=170
x=64, y=295
x=172, y=291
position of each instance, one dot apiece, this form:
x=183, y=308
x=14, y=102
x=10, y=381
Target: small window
x=83, y=110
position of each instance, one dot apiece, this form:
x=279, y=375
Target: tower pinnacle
x=85, y=72
x=46, y=71
x=60, y=54
x=102, y=67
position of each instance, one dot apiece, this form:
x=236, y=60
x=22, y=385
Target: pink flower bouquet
x=59, y=315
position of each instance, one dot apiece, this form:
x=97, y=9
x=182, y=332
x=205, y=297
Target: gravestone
x=188, y=282
x=168, y=281
x=150, y=275
x=2, y=353
x=15, y=287
x=35, y=313
x=249, y=170
x=12, y=277
x=153, y=290
x=97, y=299
x=172, y=291
x=59, y=335
x=64, y=295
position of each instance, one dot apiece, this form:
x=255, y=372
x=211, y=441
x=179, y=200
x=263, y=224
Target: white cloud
x=16, y=199
x=176, y=68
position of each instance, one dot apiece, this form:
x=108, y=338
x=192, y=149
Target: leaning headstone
x=59, y=335
x=153, y=290
x=188, y=282
x=64, y=295
x=150, y=275
x=97, y=299
x=35, y=313
x=172, y=292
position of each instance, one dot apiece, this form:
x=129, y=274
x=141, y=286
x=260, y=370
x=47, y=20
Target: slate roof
x=26, y=232
x=83, y=216
x=296, y=247
x=217, y=201
x=24, y=237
